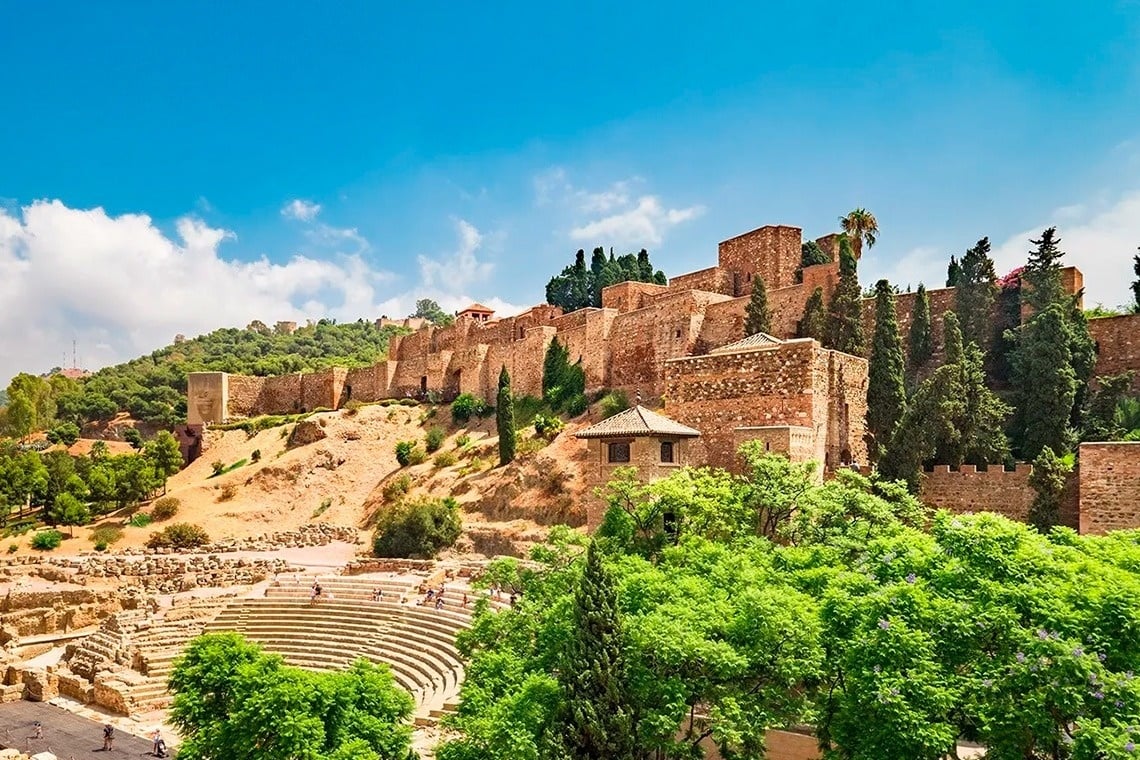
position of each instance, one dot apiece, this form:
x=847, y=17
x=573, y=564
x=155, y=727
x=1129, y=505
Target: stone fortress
x=683, y=346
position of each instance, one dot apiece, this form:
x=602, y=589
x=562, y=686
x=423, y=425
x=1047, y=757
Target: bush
x=612, y=403
x=46, y=540
x=408, y=402
x=13, y=548
x=165, y=508
x=140, y=520
x=462, y=441
x=529, y=447
x=325, y=504
x=445, y=459
x=418, y=456
x=417, y=528
x=255, y=456
x=434, y=440
x=527, y=408
x=547, y=427
x=465, y=406
x=106, y=535
x=577, y=405
x=396, y=488
x=179, y=536
x=404, y=451
x=219, y=466
x=100, y=546
x=229, y=490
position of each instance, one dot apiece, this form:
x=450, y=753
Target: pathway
x=66, y=734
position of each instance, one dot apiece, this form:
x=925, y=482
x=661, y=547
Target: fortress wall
x=366, y=383
x=628, y=296
x=1109, y=487
x=796, y=443
x=207, y=397
x=453, y=336
x=586, y=338
x=322, y=389
x=280, y=394
x=773, y=252
x=711, y=280
x=1004, y=492
x=941, y=301
x=1118, y=344
x=407, y=346
x=246, y=394
x=718, y=393
x=845, y=397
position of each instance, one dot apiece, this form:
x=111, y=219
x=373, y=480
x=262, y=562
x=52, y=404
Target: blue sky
x=176, y=167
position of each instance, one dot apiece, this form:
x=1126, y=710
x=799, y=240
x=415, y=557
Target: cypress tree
x=845, y=314
x=757, y=315
x=814, y=321
x=953, y=272
x=886, y=392
x=1041, y=279
x=597, y=721
x=975, y=292
x=554, y=366
x=1048, y=480
x=1045, y=384
x=921, y=338
x=644, y=268
x=1136, y=284
x=505, y=418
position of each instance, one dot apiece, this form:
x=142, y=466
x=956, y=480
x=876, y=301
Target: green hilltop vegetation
x=153, y=387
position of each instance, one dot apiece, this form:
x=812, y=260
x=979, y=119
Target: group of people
x=316, y=593
x=433, y=593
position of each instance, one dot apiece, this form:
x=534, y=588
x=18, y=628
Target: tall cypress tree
x=953, y=272
x=757, y=315
x=1136, y=284
x=596, y=719
x=1045, y=384
x=845, y=313
x=813, y=324
x=975, y=292
x=886, y=391
x=554, y=367
x=921, y=337
x=1041, y=285
x=505, y=418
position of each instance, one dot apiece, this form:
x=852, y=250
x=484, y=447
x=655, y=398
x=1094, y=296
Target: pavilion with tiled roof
x=476, y=311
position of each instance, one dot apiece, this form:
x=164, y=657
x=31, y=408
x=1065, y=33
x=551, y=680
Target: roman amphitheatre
x=290, y=476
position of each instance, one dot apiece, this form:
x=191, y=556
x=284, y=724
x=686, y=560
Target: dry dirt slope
x=341, y=478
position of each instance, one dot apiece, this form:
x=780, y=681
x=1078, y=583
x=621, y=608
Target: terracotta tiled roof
x=759, y=340
x=478, y=307
x=638, y=421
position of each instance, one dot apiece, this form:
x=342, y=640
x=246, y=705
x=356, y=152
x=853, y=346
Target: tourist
x=430, y=594
x=439, y=603
x=108, y=737
x=37, y=730
x=315, y=593
x=465, y=599
x=159, y=747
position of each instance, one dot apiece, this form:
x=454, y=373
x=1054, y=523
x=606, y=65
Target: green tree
x=757, y=315
x=845, y=312
x=886, y=388
x=1045, y=384
x=597, y=722
x=860, y=225
x=562, y=382
x=813, y=324
x=974, y=294
x=1041, y=283
x=417, y=528
x=1100, y=419
x=65, y=433
x=1136, y=284
x=70, y=511
x=428, y=309
x=134, y=438
x=165, y=455
x=505, y=418
x=811, y=254
x=1048, y=482
x=921, y=338
x=953, y=272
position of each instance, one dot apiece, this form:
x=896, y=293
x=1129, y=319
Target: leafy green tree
x=233, y=701
x=505, y=418
x=860, y=225
x=1048, y=481
x=811, y=254
x=1136, y=284
x=165, y=455
x=562, y=382
x=66, y=433
x=1041, y=279
x=134, y=438
x=417, y=528
x=886, y=388
x=953, y=272
x=597, y=721
x=974, y=294
x=813, y=324
x=921, y=338
x=428, y=309
x=1100, y=419
x=578, y=287
x=757, y=315
x=70, y=511
x=845, y=312
x=1045, y=384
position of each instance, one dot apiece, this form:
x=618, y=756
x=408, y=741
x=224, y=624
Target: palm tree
x=861, y=225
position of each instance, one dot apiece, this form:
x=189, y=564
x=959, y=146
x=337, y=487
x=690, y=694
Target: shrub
x=165, y=508
x=464, y=407
x=462, y=441
x=613, y=403
x=434, y=440
x=408, y=402
x=418, y=456
x=547, y=427
x=46, y=540
x=404, y=451
x=106, y=535
x=325, y=504
x=179, y=536
x=219, y=466
x=255, y=456
x=530, y=447
x=527, y=408
x=100, y=546
x=229, y=490
x=13, y=548
x=140, y=520
x=417, y=528
x=577, y=405
x=396, y=488
x=445, y=459
x=478, y=464
x=351, y=408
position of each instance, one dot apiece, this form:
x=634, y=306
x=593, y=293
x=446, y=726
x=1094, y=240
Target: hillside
x=152, y=388
x=343, y=477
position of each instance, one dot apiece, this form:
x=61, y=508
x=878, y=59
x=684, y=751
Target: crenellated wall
x=1004, y=492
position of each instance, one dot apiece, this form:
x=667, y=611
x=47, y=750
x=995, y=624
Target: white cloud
x=121, y=283
x=642, y=224
x=459, y=269
x=614, y=197
x=302, y=210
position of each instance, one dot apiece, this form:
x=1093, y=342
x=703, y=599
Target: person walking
x=108, y=737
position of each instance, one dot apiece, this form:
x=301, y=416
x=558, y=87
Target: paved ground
x=65, y=734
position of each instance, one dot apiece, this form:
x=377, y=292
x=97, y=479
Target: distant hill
x=153, y=387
